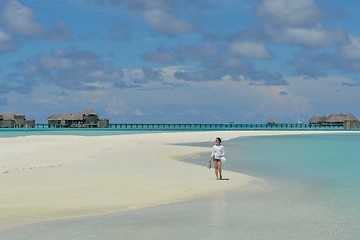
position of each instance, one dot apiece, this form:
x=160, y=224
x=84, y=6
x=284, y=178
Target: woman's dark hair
x=219, y=139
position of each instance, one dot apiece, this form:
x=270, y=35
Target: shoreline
x=46, y=178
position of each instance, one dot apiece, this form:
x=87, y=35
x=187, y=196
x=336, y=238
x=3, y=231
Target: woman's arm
x=222, y=151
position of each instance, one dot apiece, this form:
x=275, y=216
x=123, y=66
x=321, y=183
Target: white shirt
x=217, y=151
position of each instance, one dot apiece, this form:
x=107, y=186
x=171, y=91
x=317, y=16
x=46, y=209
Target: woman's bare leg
x=220, y=169
x=216, y=167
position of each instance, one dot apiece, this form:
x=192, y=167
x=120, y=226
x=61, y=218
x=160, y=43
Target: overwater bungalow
x=86, y=119
x=270, y=121
x=15, y=120
x=346, y=120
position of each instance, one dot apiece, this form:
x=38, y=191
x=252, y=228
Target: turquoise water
x=316, y=191
x=323, y=156
x=129, y=128
x=17, y=132
x=316, y=185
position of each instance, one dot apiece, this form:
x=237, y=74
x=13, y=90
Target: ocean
x=21, y=132
x=315, y=192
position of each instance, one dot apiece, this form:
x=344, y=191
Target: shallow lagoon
x=315, y=191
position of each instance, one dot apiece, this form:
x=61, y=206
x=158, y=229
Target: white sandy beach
x=46, y=178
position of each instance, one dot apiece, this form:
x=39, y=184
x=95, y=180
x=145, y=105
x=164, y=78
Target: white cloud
x=70, y=69
x=298, y=22
x=133, y=73
x=351, y=51
x=109, y=76
x=311, y=37
x=138, y=112
x=96, y=85
x=166, y=23
x=326, y=95
x=5, y=41
x=20, y=19
x=56, y=62
x=4, y=37
x=250, y=49
x=293, y=13
x=276, y=104
x=116, y=106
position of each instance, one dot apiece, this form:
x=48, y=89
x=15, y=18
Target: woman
x=217, y=153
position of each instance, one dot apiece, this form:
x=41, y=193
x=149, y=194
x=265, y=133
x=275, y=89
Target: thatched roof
x=90, y=112
x=336, y=118
x=10, y=116
x=317, y=119
x=271, y=121
x=53, y=117
x=350, y=117
x=333, y=118
x=66, y=116
x=72, y=116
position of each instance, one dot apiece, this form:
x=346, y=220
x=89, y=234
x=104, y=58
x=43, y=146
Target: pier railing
x=201, y=126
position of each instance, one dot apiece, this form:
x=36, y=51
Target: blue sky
x=178, y=61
